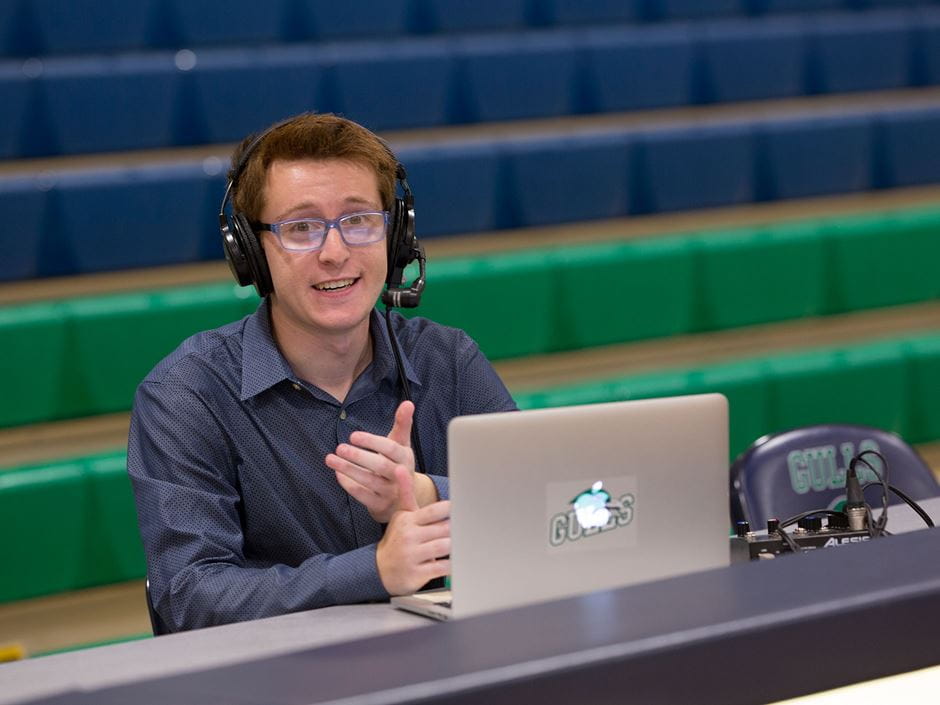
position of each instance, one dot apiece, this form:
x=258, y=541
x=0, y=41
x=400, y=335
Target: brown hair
x=308, y=136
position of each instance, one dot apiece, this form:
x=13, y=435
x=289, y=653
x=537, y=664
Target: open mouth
x=335, y=285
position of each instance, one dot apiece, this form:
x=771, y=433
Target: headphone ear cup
x=235, y=253
x=255, y=261
x=400, y=242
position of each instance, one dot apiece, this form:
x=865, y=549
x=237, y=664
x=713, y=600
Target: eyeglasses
x=307, y=234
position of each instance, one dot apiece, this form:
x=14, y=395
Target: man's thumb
x=401, y=429
x=406, y=489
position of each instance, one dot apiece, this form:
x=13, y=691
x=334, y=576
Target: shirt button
x=296, y=386
x=342, y=414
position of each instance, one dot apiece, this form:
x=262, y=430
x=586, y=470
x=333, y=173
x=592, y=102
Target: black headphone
x=246, y=259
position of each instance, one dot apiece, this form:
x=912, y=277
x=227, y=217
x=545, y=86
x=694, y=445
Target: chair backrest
x=156, y=623
x=784, y=474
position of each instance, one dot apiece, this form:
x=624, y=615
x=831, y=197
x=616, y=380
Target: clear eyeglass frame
x=309, y=234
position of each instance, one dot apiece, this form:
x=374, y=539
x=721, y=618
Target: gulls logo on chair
x=592, y=512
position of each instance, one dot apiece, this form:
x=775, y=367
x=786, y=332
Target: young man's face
x=331, y=290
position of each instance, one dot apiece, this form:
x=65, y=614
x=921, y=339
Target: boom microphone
x=408, y=297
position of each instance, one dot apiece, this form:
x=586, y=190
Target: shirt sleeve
x=184, y=476
x=481, y=391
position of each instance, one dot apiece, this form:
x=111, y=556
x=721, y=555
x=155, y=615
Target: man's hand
x=365, y=468
x=415, y=543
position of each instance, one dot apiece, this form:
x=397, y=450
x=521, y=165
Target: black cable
x=908, y=500
x=406, y=391
x=878, y=527
x=788, y=540
x=875, y=530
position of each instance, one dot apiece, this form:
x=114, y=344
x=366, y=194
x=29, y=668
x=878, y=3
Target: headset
x=246, y=260
x=245, y=256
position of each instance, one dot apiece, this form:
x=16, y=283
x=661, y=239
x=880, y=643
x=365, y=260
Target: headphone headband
x=245, y=255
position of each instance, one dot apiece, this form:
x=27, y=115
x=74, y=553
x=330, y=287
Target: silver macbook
x=551, y=503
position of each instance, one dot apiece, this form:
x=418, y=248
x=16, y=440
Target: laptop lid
x=551, y=503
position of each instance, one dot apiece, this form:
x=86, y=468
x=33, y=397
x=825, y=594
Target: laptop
x=552, y=503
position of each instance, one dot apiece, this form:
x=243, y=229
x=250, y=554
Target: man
x=271, y=458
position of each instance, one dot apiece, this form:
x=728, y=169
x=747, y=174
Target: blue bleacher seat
x=121, y=218
x=860, y=52
x=15, y=90
x=225, y=22
x=802, y=158
x=455, y=187
x=782, y=6
x=929, y=41
x=23, y=205
x=69, y=27
x=237, y=91
x=517, y=76
x=865, y=4
x=565, y=13
x=909, y=147
x=470, y=15
x=679, y=168
x=674, y=9
x=135, y=97
x=630, y=68
x=752, y=59
x=17, y=29
x=390, y=85
x=567, y=179
x=326, y=19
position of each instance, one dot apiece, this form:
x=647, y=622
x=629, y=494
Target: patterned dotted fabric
x=239, y=515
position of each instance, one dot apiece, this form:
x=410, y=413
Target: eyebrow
x=313, y=206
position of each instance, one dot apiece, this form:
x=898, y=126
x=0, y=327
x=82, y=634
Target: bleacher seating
x=701, y=281
x=163, y=99
x=75, y=526
x=878, y=384
x=905, y=133
x=49, y=27
x=746, y=60
x=849, y=53
x=817, y=157
x=220, y=107
x=106, y=219
x=82, y=83
x=63, y=539
x=660, y=61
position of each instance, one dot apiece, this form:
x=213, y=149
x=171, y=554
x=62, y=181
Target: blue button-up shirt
x=240, y=516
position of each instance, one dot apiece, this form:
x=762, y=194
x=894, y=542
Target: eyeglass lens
x=309, y=233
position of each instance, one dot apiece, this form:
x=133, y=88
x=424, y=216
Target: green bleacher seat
x=882, y=261
x=470, y=293
x=760, y=275
x=622, y=291
x=86, y=355
x=868, y=383
x=69, y=525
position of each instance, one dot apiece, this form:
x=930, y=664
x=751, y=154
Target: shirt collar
x=263, y=365
x=383, y=357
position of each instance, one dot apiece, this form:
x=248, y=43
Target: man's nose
x=334, y=247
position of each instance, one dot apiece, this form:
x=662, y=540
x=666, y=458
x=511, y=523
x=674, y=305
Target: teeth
x=332, y=286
